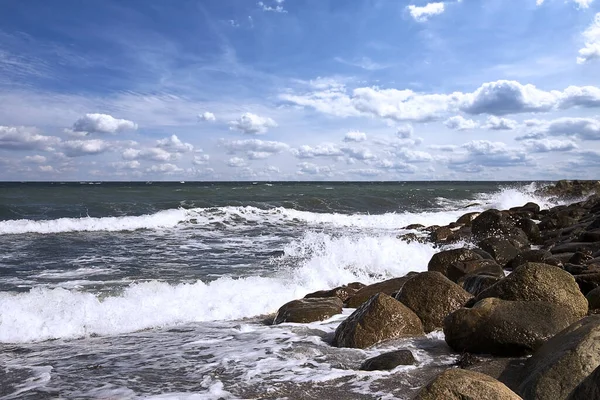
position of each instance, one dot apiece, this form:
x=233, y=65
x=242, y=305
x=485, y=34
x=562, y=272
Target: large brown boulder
x=500, y=248
x=388, y=287
x=588, y=389
x=462, y=384
x=380, y=318
x=504, y=328
x=443, y=261
x=388, y=361
x=563, y=362
x=540, y=282
x=308, y=310
x=432, y=297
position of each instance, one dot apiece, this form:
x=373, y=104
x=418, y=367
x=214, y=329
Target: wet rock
x=308, y=310
x=414, y=227
x=388, y=361
x=412, y=237
x=442, y=261
x=380, y=318
x=570, y=189
x=531, y=229
x=589, y=236
x=563, y=362
x=500, y=248
x=581, y=257
x=467, y=218
x=540, y=282
x=527, y=256
x=462, y=384
x=528, y=207
x=432, y=297
x=505, y=328
x=588, y=389
x=342, y=292
x=593, y=298
x=388, y=287
x=574, y=247
x=477, y=283
x=588, y=282
x=441, y=234
x=492, y=223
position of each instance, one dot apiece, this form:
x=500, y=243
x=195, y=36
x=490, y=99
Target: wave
x=323, y=262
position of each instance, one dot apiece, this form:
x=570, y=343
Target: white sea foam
x=323, y=261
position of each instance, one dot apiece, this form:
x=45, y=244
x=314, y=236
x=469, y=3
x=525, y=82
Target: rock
x=492, y=223
x=462, y=384
x=540, y=282
x=570, y=189
x=388, y=361
x=528, y=207
x=531, y=229
x=432, y=297
x=527, y=256
x=467, y=218
x=588, y=389
x=593, y=298
x=574, y=247
x=505, y=328
x=440, y=262
x=500, y=248
x=342, y=292
x=441, y=234
x=589, y=236
x=412, y=237
x=581, y=257
x=588, y=282
x=388, y=287
x=413, y=227
x=380, y=318
x=477, y=283
x=563, y=362
x=308, y=310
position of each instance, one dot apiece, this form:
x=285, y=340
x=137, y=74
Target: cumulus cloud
x=498, y=124
x=25, y=138
x=36, y=159
x=313, y=169
x=166, y=168
x=358, y=153
x=460, y=123
x=126, y=165
x=591, y=37
x=355, y=136
x=414, y=156
x=207, y=116
x=583, y=3
x=548, y=145
x=397, y=166
x=584, y=128
x=236, y=162
x=322, y=150
x=484, y=153
x=150, y=154
x=277, y=7
x=78, y=148
x=252, y=124
x=102, y=123
x=201, y=159
x=254, y=145
x=404, y=131
x=422, y=14
x=174, y=145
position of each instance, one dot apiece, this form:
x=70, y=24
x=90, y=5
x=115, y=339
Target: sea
x=167, y=290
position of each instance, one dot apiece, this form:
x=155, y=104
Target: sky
x=203, y=90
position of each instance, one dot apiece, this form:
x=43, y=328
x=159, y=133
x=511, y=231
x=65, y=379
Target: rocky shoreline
x=516, y=292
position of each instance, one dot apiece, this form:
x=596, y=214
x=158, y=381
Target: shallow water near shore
x=159, y=290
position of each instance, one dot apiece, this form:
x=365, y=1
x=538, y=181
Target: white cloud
x=201, y=159
x=165, y=168
x=548, y=145
x=584, y=128
x=47, y=168
x=591, y=37
x=126, y=165
x=498, y=124
x=207, y=116
x=174, y=145
x=483, y=153
x=102, y=123
x=236, y=162
x=36, y=159
x=25, y=138
x=397, y=166
x=367, y=172
x=252, y=124
x=258, y=155
x=254, y=145
x=313, y=169
x=583, y=3
x=78, y=148
x=414, y=156
x=358, y=154
x=422, y=14
x=443, y=147
x=322, y=150
x=275, y=8
x=355, y=136
x=151, y=154
x=404, y=131
x=460, y=123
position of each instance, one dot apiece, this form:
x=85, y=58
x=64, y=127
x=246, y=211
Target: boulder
x=380, y=318
x=527, y=256
x=492, y=223
x=531, y=229
x=505, y=328
x=432, y=297
x=570, y=189
x=388, y=287
x=441, y=234
x=500, y=248
x=468, y=218
x=341, y=292
x=540, y=282
x=412, y=237
x=588, y=282
x=440, y=262
x=462, y=384
x=528, y=207
x=388, y=361
x=593, y=298
x=308, y=310
x=588, y=389
x=563, y=362
x=477, y=283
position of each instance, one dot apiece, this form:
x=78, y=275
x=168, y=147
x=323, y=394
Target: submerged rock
x=308, y=310
x=540, y=282
x=380, y=318
x=432, y=297
x=388, y=361
x=504, y=328
x=563, y=362
x=462, y=384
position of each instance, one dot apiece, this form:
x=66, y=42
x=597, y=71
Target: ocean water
x=161, y=290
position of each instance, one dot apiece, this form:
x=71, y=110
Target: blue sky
x=299, y=90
